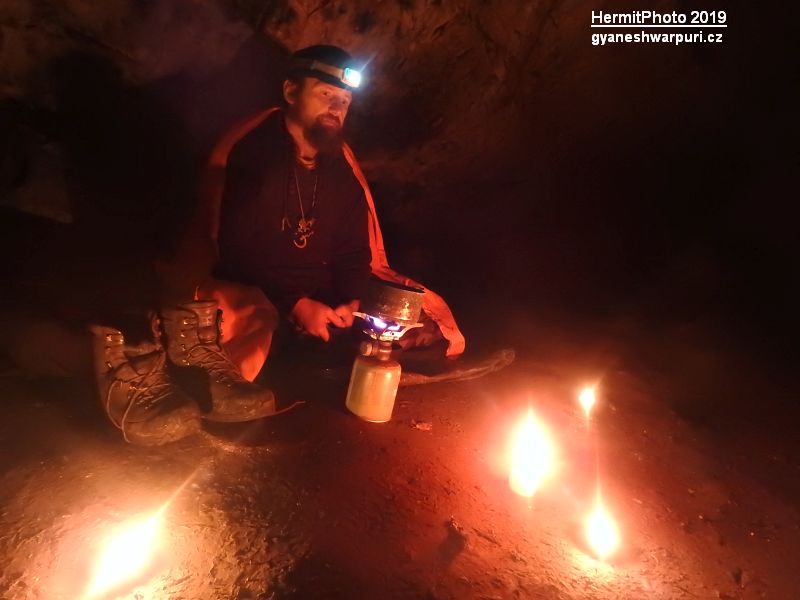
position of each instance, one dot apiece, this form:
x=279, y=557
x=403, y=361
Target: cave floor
x=318, y=504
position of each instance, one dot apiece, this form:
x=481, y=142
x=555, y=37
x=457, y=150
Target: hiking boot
x=137, y=393
x=193, y=338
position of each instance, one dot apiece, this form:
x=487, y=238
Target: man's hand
x=313, y=318
x=345, y=312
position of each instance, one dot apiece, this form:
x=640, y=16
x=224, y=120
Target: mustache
x=329, y=117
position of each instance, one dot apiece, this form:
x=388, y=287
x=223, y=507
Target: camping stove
x=389, y=311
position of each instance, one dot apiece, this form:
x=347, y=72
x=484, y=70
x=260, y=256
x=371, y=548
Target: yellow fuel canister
x=373, y=387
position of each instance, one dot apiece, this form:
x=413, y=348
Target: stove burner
x=389, y=310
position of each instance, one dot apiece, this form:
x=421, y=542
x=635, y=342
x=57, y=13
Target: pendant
x=305, y=229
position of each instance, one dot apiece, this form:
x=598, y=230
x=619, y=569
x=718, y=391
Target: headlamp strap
x=315, y=65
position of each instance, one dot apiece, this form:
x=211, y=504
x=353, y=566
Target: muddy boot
x=137, y=393
x=193, y=338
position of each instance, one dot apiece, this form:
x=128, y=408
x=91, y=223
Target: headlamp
x=351, y=77
x=348, y=76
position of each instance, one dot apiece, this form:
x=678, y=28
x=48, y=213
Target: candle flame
x=602, y=532
x=126, y=554
x=532, y=457
x=587, y=399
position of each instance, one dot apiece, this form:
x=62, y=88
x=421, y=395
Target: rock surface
x=318, y=504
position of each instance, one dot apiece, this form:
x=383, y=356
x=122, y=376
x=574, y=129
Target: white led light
x=351, y=77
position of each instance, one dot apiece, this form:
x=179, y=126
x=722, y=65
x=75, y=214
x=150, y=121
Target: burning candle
x=587, y=399
x=126, y=554
x=532, y=457
x=602, y=533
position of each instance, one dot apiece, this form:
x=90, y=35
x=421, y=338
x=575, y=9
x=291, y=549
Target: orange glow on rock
x=533, y=456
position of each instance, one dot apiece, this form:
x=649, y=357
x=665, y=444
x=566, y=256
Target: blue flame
x=378, y=323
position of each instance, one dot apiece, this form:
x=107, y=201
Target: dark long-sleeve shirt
x=260, y=212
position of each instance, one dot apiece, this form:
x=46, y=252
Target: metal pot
x=392, y=302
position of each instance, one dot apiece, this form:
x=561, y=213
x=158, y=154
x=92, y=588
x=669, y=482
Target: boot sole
x=180, y=424
x=266, y=411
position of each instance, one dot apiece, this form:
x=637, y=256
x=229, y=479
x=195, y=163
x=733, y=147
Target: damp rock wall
x=507, y=152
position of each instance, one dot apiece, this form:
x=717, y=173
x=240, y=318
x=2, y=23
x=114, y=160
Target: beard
x=326, y=137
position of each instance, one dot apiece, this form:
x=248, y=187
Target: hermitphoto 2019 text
x=645, y=20
x=650, y=17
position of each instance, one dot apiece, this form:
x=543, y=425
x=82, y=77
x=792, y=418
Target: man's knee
x=245, y=308
x=257, y=309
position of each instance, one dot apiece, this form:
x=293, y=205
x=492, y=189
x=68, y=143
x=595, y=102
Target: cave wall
x=506, y=151
x=451, y=85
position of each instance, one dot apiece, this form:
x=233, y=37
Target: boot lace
x=145, y=390
x=216, y=361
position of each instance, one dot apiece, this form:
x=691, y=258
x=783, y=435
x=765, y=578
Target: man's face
x=320, y=108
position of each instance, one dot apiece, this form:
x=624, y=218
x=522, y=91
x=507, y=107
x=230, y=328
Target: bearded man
x=294, y=221
x=293, y=218
x=291, y=232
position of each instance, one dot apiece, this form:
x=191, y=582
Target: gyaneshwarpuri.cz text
x=646, y=37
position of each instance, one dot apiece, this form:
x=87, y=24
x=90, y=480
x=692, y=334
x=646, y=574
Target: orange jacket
x=212, y=188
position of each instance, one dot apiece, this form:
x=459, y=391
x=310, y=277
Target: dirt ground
x=318, y=504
